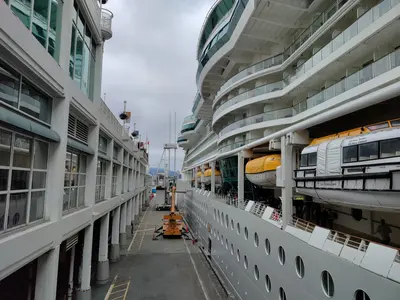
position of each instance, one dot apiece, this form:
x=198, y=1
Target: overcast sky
x=151, y=63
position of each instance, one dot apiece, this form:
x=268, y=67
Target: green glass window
x=23, y=10
x=39, y=22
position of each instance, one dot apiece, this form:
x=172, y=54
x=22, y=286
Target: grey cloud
x=151, y=63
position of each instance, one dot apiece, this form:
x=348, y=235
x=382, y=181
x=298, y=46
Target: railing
x=280, y=58
x=379, y=67
x=106, y=22
x=262, y=65
x=233, y=146
x=260, y=90
x=263, y=117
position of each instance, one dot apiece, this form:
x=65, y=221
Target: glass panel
x=73, y=198
x=38, y=180
x=35, y=103
x=78, y=59
x=41, y=155
x=23, y=10
x=5, y=148
x=350, y=154
x=82, y=163
x=81, y=196
x=85, y=69
x=66, y=199
x=395, y=123
x=68, y=161
x=390, y=148
x=312, y=159
x=303, y=161
x=17, y=209
x=37, y=206
x=74, y=163
x=91, y=75
x=67, y=179
x=82, y=180
x=22, y=152
x=3, y=179
x=81, y=22
x=53, y=41
x=20, y=180
x=9, y=85
x=368, y=151
x=39, y=24
x=72, y=52
x=2, y=210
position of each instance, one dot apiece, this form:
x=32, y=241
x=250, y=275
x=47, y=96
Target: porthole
x=238, y=255
x=256, y=272
x=246, y=233
x=245, y=263
x=226, y=244
x=281, y=253
x=267, y=283
x=238, y=228
x=217, y=235
x=222, y=219
x=299, y=267
x=327, y=284
x=232, y=224
x=361, y=295
x=267, y=247
x=227, y=221
x=222, y=239
x=255, y=239
x=215, y=213
x=282, y=294
x=232, y=249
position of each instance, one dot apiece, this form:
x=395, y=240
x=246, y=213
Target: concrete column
x=71, y=274
x=115, y=235
x=65, y=33
x=91, y=167
x=103, y=269
x=240, y=176
x=287, y=173
x=128, y=216
x=46, y=276
x=109, y=170
x=212, y=177
x=84, y=292
x=122, y=227
x=202, y=178
x=133, y=209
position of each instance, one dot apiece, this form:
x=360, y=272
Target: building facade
x=72, y=177
x=291, y=147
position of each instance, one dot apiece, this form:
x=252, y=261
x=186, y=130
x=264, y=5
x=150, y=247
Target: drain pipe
x=375, y=97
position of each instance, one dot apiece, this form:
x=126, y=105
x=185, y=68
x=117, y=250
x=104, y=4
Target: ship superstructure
x=295, y=123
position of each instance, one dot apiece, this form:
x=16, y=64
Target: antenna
x=175, y=148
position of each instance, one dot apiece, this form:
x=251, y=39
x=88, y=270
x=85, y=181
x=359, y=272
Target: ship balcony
x=182, y=141
x=106, y=24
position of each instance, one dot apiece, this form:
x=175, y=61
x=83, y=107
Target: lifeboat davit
x=207, y=176
x=262, y=171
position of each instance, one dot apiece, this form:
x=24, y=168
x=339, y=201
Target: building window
x=101, y=180
x=82, y=53
x=103, y=144
x=350, y=154
x=116, y=152
x=74, y=180
x=114, y=180
x=42, y=18
x=23, y=169
x=15, y=91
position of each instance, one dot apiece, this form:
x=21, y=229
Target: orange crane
x=172, y=223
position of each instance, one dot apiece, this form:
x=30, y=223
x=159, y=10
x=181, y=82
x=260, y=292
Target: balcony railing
x=233, y=146
x=196, y=102
x=106, y=22
x=263, y=117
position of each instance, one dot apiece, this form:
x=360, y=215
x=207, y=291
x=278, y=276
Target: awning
x=9, y=117
x=80, y=146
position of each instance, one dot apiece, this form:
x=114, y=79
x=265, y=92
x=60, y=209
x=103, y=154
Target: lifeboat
x=207, y=176
x=355, y=170
x=262, y=171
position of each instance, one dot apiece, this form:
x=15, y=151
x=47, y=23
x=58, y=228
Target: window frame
x=343, y=158
x=363, y=144
x=103, y=176
x=9, y=191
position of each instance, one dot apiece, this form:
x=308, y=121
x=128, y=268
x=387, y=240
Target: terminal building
x=72, y=178
x=292, y=148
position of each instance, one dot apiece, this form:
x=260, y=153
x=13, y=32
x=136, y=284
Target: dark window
x=312, y=159
x=390, y=148
x=378, y=126
x=350, y=154
x=368, y=151
x=303, y=160
x=395, y=123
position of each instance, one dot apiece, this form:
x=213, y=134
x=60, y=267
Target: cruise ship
x=73, y=179
x=292, y=148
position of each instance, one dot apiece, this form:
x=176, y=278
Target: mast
x=175, y=147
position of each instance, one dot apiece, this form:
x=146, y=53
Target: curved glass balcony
x=358, y=26
x=234, y=146
x=181, y=140
x=190, y=125
x=379, y=67
x=280, y=58
x=196, y=102
x=261, y=90
x=263, y=117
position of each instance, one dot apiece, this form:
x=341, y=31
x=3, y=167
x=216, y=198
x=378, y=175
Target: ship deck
x=161, y=269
